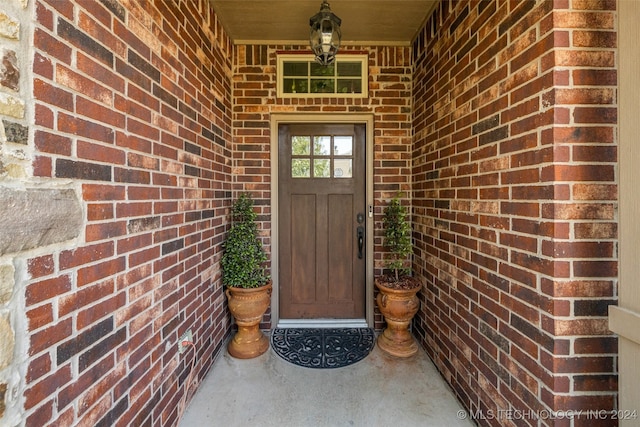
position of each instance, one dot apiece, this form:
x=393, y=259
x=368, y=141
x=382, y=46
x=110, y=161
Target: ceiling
x=375, y=22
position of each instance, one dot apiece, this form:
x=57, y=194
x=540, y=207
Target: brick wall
x=389, y=101
x=514, y=196
x=133, y=108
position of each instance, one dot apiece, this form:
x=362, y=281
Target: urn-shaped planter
x=248, y=284
x=248, y=305
x=398, y=306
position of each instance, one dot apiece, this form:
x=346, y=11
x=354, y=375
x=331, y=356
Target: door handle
x=360, y=233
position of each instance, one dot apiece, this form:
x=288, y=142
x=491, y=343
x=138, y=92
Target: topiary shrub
x=397, y=239
x=243, y=260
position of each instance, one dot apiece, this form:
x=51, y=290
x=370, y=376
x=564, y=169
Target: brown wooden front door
x=321, y=193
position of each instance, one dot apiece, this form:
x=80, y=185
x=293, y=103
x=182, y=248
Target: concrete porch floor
x=377, y=391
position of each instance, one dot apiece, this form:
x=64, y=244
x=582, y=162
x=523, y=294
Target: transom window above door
x=301, y=76
x=324, y=156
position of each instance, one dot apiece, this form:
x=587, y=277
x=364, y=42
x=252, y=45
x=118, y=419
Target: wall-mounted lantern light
x=325, y=34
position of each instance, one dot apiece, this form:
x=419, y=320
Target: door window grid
x=331, y=156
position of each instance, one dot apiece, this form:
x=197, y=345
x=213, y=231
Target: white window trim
x=364, y=77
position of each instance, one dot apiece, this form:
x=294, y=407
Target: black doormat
x=323, y=348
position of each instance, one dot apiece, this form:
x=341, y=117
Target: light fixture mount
x=325, y=34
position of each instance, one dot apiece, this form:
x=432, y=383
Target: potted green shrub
x=397, y=298
x=248, y=286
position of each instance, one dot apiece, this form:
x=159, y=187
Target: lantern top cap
x=325, y=13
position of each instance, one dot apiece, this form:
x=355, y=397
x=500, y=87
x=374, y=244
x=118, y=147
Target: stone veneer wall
x=122, y=112
x=12, y=112
x=33, y=214
x=515, y=199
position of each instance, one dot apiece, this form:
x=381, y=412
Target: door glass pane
x=322, y=145
x=300, y=168
x=300, y=145
x=343, y=146
x=321, y=168
x=342, y=168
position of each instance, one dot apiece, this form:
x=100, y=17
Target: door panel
x=340, y=246
x=303, y=233
x=321, y=191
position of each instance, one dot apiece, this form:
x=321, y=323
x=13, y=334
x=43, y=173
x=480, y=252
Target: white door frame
x=276, y=120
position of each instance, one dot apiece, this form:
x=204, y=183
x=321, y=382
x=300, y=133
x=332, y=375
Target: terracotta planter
x=247, y=307
x=398, y=306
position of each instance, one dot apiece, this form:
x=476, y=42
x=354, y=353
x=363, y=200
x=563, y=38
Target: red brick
x=585, y=77
x=44, y=15
x=51, y=143
x=42, y=66
x=85, y=255
x=584, y=402
x=99, y=211
x=99, y=152
x=138, y=144
x=88, y=66
x=591, y=345
x=595, y=115
x=68, y=78
x=574, y=211
x=41, y=415
x=583, y=364
x=74, y=389
x=605, y=39
x=42, y=167
x=100, y=271
x=40, y=316
x=569, y=58
x=593, y=20
x=98, y=32
x=103, y=231
x=595, y=268
x=40, y=266
x=85, y=297
x=47, y=289
x=63, y=7
x=578, y=249
x=96, y=312
x=38, y=367
x=85, y=128
x=131, y=176
x=101, y=113
x=586, y=134
x=45, y=338
x=599, y=230
x=102, y=193
x=45, y=92
x=51, y=46
x=44, y=116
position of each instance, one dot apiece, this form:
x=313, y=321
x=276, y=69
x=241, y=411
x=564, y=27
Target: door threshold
x=322, y=323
